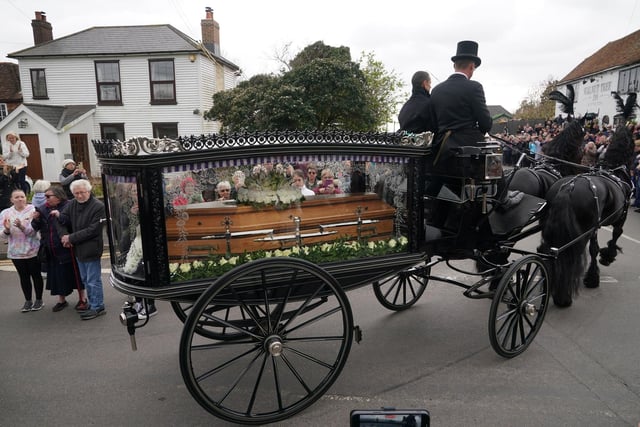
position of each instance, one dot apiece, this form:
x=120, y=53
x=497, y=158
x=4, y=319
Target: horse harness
x=625, y=186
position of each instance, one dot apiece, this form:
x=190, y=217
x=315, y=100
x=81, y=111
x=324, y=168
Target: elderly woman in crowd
x=62, y=271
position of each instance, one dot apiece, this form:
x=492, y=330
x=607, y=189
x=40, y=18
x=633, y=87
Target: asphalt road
x=582, y=369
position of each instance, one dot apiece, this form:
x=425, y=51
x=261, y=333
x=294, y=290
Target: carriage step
x=357, y=334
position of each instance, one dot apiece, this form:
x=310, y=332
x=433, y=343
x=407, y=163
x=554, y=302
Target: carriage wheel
x=519, y=306
x=291, y=350
x=402, y=290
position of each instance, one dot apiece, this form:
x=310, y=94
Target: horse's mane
x=621, y=148
x=567, y=145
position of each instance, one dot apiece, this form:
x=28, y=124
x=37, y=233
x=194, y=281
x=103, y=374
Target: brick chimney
x=42, y=30
x=210, y=32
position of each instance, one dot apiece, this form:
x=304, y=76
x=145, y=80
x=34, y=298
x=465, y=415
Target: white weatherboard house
x=613, y=68
x=113, y=82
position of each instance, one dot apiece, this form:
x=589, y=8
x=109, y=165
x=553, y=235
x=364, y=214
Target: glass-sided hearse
x=258, y=274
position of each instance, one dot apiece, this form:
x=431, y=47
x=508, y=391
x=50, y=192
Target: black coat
x=459, y=106
x=85, y=221
x=50, y=232
x=415, y=115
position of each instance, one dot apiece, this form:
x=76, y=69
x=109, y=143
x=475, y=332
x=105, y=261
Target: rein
x=543, y=156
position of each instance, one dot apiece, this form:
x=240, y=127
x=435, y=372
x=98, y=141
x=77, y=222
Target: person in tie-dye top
x=24, y=243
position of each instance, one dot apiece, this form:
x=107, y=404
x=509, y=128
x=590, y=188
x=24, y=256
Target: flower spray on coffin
x=266, y=187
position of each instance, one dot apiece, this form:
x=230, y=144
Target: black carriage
x=259, y=280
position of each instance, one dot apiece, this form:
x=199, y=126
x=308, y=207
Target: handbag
x=43, y=254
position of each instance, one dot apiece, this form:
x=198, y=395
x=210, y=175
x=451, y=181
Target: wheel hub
x=273, y=346
x=529, y=309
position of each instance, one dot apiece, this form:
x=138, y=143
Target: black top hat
x=467, y=49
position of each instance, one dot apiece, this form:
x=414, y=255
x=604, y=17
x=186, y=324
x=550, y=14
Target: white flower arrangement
x=265, y=188
x=339, y=250
x=135, y=255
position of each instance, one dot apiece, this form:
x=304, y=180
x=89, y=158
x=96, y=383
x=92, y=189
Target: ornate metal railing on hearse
x=165, y=222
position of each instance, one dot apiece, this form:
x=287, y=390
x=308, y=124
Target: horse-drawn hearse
x=260, y=280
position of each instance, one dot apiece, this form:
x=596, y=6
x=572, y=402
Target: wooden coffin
x=202, y=229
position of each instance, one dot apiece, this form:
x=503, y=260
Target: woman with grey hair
x=63, y=275
x=223, y=190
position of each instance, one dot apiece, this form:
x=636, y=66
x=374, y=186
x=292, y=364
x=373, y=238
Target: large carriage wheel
x=519, y=306
x=402, y=290
x=297, y=342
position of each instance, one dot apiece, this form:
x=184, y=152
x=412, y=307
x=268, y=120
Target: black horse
x=562, y=154
x=577, y=207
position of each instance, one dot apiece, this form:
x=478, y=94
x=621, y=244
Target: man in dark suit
x=460, y=110
x=415, y=115
x=459, y=107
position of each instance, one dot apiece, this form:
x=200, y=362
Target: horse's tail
x=559, y=228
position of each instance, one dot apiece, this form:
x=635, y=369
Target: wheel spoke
x=504, y=320
x=227, y=364
x=394, y=282
x=319, y=338
x=256, y=386
x=521, y=326
x=510, y=331
x=276, y=380
x=231, y=325
x=310, y=358
x=312, y=320
x=240, y=376
x=295, y=373
x=302, y=307
x=251, y=313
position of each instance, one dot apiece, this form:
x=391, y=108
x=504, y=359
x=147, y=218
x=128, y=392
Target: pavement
x=581, y=369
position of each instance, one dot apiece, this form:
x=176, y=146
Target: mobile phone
x=390, y=417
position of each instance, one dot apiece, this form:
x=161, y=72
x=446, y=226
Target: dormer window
x=162, y=81
x=108, y=82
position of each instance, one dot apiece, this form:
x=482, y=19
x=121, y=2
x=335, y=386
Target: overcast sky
x=522, y=43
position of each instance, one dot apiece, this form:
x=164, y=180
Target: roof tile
x=618, y=53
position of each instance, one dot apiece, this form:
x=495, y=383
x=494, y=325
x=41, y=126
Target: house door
x=80, y=150
x=34, y=161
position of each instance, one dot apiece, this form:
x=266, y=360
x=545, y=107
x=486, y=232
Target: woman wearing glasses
x=62, y=271
x=223, y=190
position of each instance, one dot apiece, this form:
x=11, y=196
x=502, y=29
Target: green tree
x=240, y=109
x=335, y=91
x=319, y=50
x=382, y=89
x=537, y=105
x=322, y=89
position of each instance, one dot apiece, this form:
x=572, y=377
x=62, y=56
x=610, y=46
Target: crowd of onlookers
x=57, y=235
x=531, y=140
